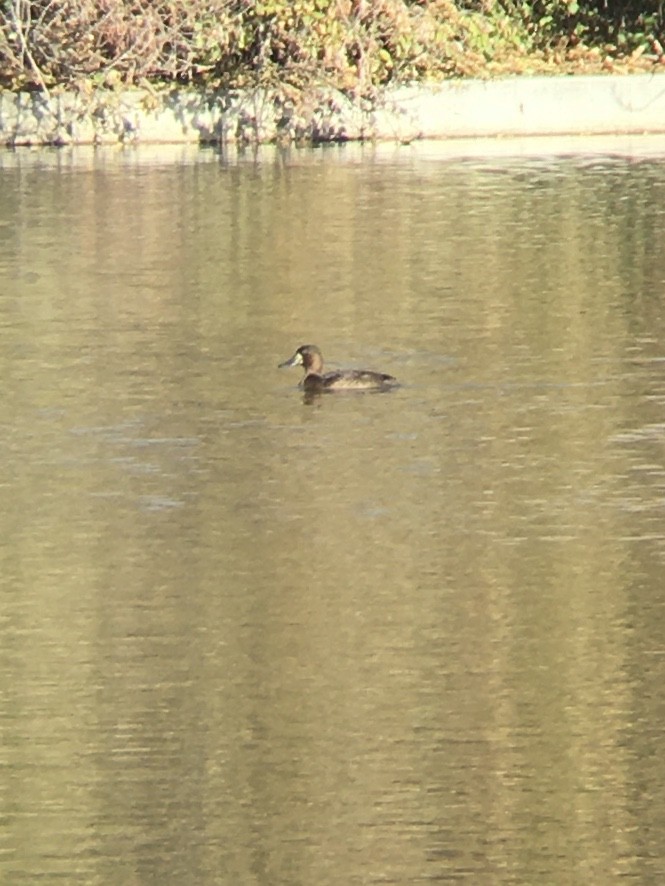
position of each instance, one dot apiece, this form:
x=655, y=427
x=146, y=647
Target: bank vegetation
x=357, y=46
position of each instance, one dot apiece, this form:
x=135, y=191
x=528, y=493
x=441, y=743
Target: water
x=250, y=637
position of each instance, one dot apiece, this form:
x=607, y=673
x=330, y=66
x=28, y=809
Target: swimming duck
x=316, y=381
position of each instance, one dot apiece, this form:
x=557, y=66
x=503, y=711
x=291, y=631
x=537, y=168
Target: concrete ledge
x=584, y=105
x=544, y=106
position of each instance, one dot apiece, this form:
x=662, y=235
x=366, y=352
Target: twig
x=24, y=45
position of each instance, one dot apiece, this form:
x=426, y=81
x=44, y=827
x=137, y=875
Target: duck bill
x=296, y=360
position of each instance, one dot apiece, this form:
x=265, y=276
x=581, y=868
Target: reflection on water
x=247, y=638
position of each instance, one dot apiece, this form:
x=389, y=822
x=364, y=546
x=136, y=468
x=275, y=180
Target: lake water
x=248, y=637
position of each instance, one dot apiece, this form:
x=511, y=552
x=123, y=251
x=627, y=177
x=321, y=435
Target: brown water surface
x=247, y=637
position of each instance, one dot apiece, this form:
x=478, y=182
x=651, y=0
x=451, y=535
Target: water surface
x=250, y=637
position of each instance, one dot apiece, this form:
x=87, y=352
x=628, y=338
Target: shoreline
x=544, y=106
x=427, y=154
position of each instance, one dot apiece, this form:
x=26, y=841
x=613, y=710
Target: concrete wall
x=590, y=105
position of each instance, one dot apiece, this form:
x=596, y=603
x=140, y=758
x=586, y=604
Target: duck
x=317, y=381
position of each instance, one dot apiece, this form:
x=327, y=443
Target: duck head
x=307, y=356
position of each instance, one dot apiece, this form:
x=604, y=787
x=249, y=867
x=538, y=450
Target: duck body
x=319, y=382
